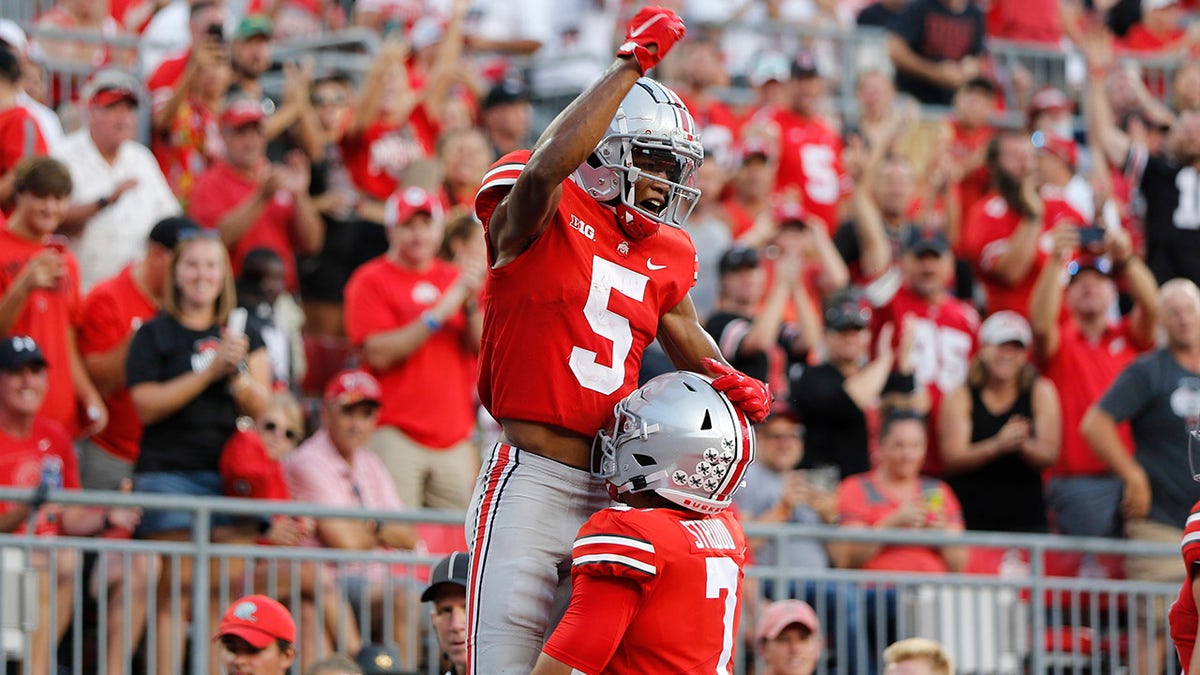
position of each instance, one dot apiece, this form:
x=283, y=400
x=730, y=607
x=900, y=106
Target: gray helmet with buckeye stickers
x=679, y=437
x=653, y=126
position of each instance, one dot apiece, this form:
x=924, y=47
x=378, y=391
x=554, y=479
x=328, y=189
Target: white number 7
x=606, y=278
x=723, y=575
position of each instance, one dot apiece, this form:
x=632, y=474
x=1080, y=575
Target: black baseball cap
x=738, y=258
x=845, y=310
x=1095, y=263
x=453, y=569
x=919, y=241
x=19, y=351
x=166, y=232
x=804, y=65
x=510, y=90
x=377, y=659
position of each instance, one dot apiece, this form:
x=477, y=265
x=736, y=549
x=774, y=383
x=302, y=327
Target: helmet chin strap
x=634, y=223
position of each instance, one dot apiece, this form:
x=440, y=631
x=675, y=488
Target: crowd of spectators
x=951, y=309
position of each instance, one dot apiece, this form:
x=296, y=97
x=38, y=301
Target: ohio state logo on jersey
x=203, y=353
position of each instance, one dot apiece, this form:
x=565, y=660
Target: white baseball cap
x=13, y=36
x=1004, y=327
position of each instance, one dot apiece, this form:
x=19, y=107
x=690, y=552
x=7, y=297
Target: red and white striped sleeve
x=610, y=546
x=498, y=180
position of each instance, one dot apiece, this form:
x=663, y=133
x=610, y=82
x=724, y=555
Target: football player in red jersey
x=1185, y=626
x=675, y=455
x=582, y=277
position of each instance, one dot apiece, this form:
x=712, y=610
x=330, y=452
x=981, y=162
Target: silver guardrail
x=1031, y=622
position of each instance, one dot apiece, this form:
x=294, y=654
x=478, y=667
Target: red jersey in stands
x=655, y=591
x=1138, y=39
x=862, y=501
x=942, y=348
x=1035, y=21
x=991, y=222
x=46, y=451
x=1183, y=617
x=1082, y=371
x=810, y=159
x=47, y=317
x=378, y=157
x=220, y=190
x=427, y=395
x=19, y=138
x=164, y=78
x=112, y=312
x=567, y=320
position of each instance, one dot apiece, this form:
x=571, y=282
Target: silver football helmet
x=679, y=437
x=652, y=128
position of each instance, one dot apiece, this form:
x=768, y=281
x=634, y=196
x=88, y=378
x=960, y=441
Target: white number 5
x=606, y=278
x=723, y=576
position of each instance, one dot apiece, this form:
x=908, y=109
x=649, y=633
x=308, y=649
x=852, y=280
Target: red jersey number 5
x=606, y=278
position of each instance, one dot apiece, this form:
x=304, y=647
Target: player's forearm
x=13, y=302
x=1143, y=290
x=572, y=136
x=1045, y=304
x=908, y=61
x=1014, y=264
x=1099, y=429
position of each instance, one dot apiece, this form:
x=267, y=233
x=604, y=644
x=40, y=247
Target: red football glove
x=655, y=26
x=747, y=393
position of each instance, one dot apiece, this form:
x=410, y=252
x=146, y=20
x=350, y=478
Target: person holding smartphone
x=191, y=372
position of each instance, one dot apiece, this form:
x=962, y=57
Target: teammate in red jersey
x=657, y=579
x=582, y=277
x=1185, y=625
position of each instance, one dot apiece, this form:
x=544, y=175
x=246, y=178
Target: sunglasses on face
x=270, y=426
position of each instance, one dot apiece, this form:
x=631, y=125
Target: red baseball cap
x=353, y=386
x=242, y=111
x=783, y=613
x=408, y=202
x=258, y=620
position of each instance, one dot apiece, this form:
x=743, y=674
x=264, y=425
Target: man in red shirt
x=206, y=24
x=809, y=155
x=657, y=580
x=415, y=318
x=970, y=132
x=943, y=327
x=1081, y=351
x=583, y=276
x=1159, y=31
x=39, y=293
x=112, y=313
x=19, y=134
x=1008, y=230
x=36, y=451
x=256, y=204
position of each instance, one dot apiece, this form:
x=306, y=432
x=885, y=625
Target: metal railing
x=1032, y=622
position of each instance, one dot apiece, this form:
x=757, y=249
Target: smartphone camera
x=1091, y=235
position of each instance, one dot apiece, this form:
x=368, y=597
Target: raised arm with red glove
x=749, y=394
x=650, y=35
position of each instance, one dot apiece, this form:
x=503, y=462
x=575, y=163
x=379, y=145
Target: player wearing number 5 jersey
x=587, y=266
x=658, y=578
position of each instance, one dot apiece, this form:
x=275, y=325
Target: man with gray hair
x=118, y=191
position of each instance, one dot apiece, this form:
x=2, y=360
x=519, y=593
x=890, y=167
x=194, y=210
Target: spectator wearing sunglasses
x=333, y=468
x=251, y=467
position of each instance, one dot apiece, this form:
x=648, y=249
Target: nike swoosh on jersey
x=651, y=266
